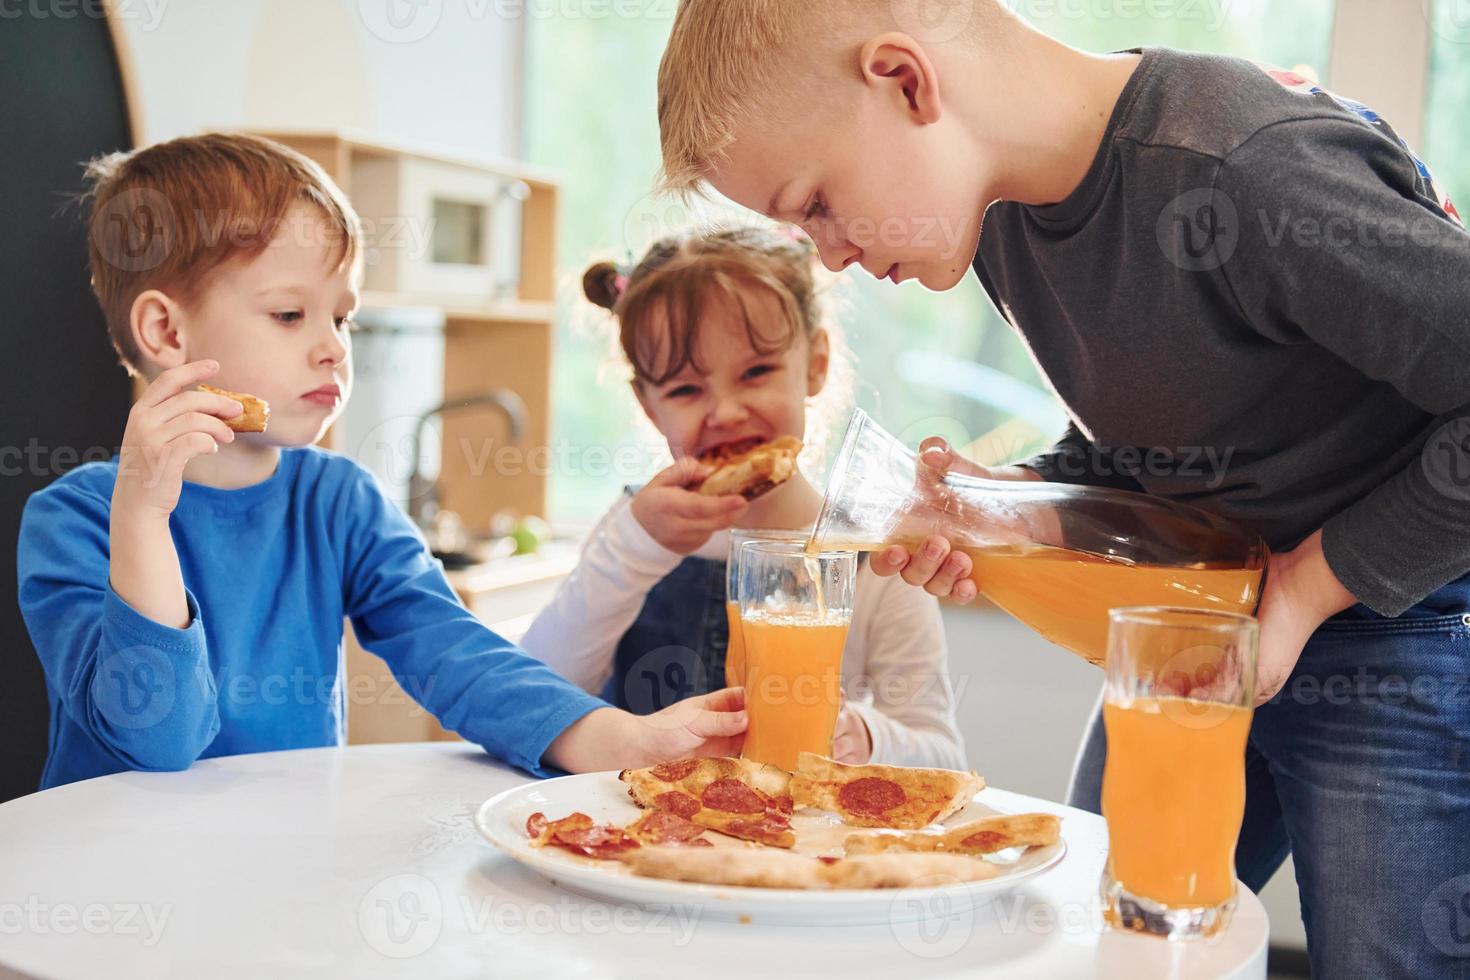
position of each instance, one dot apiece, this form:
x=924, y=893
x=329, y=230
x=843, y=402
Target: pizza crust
x=752, y=472
x=975, y=837
x=895, y=797
x=257, y=414
x=763, y=868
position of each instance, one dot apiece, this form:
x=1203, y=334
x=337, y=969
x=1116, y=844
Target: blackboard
x=61, y=389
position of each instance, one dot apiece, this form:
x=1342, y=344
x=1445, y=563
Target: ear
x=156, y=322
x=898, y=63
x=818, y=359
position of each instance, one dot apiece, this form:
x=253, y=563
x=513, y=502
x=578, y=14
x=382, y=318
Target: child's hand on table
x=677, y=517
x=608, y=738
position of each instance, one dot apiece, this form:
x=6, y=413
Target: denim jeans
x=1360, y=769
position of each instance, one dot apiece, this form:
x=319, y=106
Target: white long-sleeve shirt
x=894, y=667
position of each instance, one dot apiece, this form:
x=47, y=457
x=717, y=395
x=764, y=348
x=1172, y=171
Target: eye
x=817, y=208
x=682, y=391
x=760, y=370
x=346, y=323
x=288, y=317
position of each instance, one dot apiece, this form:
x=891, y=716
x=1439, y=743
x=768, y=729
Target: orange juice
x=1174, y=797
x=793, y=684
x=735, y=648
x=1065, y=595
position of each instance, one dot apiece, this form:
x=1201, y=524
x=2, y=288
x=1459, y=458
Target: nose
x=728, y=410
x=835, y=251
x=332, y=346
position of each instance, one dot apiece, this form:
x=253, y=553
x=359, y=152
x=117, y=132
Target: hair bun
x=600, y=284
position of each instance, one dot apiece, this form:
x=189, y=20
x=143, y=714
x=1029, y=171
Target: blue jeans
x=1360, y=769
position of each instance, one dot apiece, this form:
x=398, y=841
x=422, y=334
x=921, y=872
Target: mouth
x=326, y=395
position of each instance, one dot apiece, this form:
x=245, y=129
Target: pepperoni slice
x=784, y=804
x=672, y=772
x=871, y=796
x=827, y=860
x=680, y=804
x=535, y=823
x=732, y=796
x=663, y=827
x=595, y=841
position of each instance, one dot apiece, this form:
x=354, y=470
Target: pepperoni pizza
x=736, y=797
x=896, y=797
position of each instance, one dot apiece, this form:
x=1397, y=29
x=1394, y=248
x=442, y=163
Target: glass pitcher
x=1055, y=556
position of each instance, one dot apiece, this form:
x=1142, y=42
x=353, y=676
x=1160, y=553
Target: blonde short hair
x=717, y=47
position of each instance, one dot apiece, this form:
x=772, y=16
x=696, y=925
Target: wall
x=433, y=74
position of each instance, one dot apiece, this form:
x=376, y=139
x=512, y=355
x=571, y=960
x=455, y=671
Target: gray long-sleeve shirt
x=1257, y=302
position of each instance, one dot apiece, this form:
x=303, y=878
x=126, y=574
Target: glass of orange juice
x=1177, y=708
x=795, y=609
x=735, y=647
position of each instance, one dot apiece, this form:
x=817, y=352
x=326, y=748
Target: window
x=590, y=91
x=1446, y=139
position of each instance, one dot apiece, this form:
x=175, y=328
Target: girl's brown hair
x=680, y=277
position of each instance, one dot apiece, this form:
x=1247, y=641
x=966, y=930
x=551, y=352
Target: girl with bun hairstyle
x=727, y=339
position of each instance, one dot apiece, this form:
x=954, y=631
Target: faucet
x=423, y=494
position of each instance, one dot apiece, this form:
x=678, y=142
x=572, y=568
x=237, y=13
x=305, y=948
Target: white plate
x=502, y=821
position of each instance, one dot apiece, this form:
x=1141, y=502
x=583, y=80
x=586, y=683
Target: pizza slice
x=750, y=467
x=975, y=837
x=897, y=797
x=736, y=797
x=761, y=868
x=255, y=418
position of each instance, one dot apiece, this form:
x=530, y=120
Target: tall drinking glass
x=735, y=648
x=795, y=609
x=1177, y=708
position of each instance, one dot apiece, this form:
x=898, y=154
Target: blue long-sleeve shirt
x=270, y=572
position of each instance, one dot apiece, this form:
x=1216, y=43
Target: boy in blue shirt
x=187, y=598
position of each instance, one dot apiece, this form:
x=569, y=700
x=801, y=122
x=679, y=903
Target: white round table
x=364, y=862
